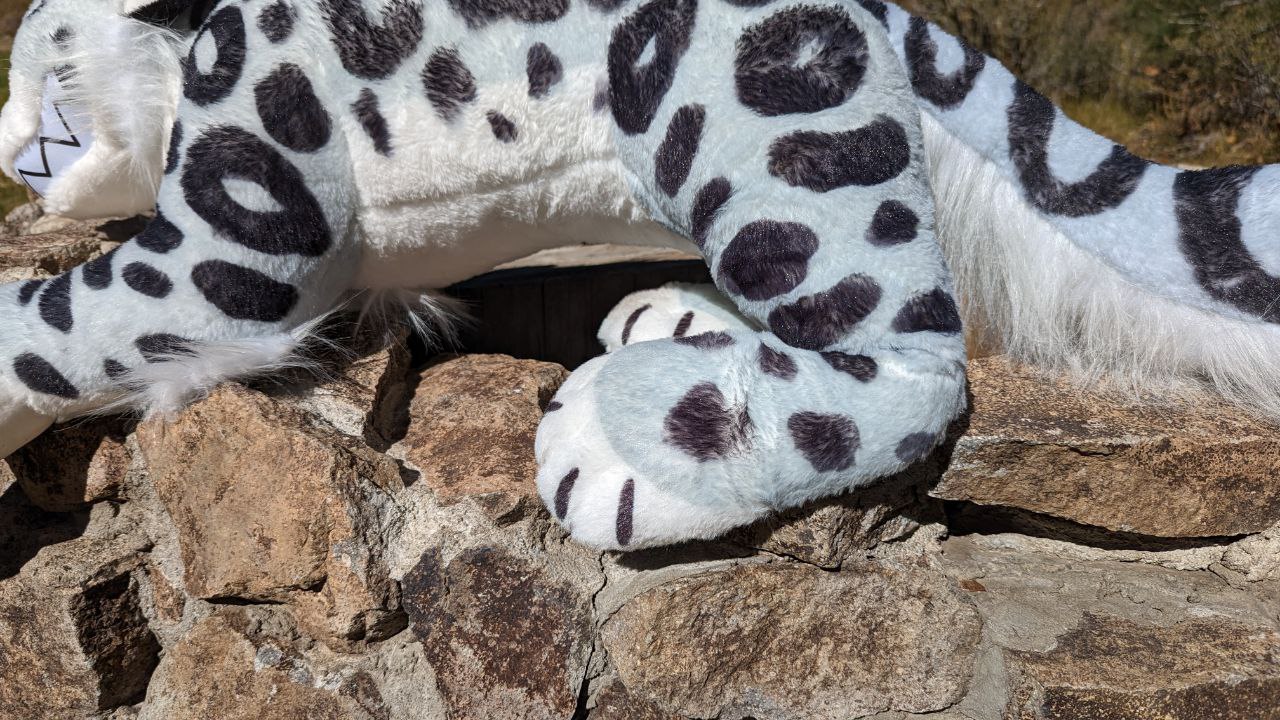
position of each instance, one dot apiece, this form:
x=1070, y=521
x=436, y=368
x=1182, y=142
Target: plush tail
x=1077, y=255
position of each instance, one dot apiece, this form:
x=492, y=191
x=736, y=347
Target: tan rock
x=74, y=640
x=72, y=465
x=1114, y=669
x=787, y=640
x=501, y=633
x=271, y=507
x=1044, y=446
x=615, y=702
x=472, y=424
x=238, y=665
x=34, y=256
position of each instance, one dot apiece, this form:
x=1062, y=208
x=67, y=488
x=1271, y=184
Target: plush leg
x=807, y=196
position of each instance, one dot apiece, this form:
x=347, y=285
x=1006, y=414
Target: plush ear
x=177, y=14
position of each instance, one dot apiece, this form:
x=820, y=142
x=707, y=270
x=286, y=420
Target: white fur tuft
x=1052, y=304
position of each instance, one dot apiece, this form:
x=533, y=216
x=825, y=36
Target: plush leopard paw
x=671, y=311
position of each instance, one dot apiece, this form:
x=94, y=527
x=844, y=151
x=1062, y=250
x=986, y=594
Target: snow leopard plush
x=323, y=146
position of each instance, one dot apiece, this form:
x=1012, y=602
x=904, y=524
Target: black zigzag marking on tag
x=44, y=158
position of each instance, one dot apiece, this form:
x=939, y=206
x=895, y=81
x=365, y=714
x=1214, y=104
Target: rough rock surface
x=371, y=546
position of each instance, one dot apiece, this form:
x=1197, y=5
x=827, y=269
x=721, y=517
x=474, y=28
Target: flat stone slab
x=1043, y=445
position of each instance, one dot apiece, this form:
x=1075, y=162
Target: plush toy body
x=325, y=146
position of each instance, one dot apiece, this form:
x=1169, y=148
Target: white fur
x=1052, y=304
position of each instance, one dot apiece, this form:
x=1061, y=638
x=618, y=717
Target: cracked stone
x=72, y=465
x=1044, y=446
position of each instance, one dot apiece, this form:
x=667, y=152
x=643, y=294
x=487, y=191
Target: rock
x=1044, y=446
x=472, y=424
x=35, y=256
x=239, y=664
x=615, y=702
x=74, y=640
x=271, y=507
x=73, y=465
x=1113, y=669
x=504, y=634
x=787, y=640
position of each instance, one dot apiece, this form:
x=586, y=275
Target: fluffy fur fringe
x=1045, y=301
x=165, y=388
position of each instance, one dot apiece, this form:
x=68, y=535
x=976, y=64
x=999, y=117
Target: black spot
x=63, y=36
x=945, y=91
x=607, y=5
x=1206, y=204
x=28, y=291
x=769, y=77
x=675, y=155
x=600, y=101
x=636, y=91
x=563, y=491
x=915, y=447
x=55, y=303
x=704, y=426
x=894, y=223
x=1031, y=118
x=544, y=70
x=626, y=508
x=714, y=340
x=290, y=111
x=482, y=12
x=36, y=373
x=706, y=206
x=766, y=259
x=163, y=347
x=502, y=127
x=828, y=442
x=553, y=406
x=175, y=145
x=97, y=272
x=114, y=370
x=683, y=325
x=276, y=21
x=860, y=367
x=748, y=3
x=777, y=364
x=146, y=280
x=822, y=161
x=934, y=311
x=878, y=10
x=223, y=153
x=817, y=321
x=227, y=30
x=373, y=50
x=243, y=293
x=631, y=322
x=371, y=119
x=449, y=84
x=160, y=235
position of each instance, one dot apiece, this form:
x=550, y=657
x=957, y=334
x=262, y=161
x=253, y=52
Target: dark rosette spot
x=503, y=129
x=635, y=90
x=945, y=91
x=55, y=303
x=243, y=293
x=706, y=207
x=916, y=447
x=766, y=259
x=276, y=21
x=675, y=155
x=1031, y=119
x=448, y=82
x=707, y=341
x=114, y=369
x=860, y=367
x=704, y=426
x=226, y=29
x=878, y=10
x=774, y=74
x=163, y=347
x=160, y=235
x=38, y=374
x=822, y=161
x=478, y=13
x=224, y=153
x=290, y=111
x=544, y=70
x=777, y=364
x=371, y=120
x=369, y=50
x=894, y=223
x=28, y=291
x=828, y=442
x=175, y=146
x=818, y=321
x=934, y=311
x=147, y=280
x=97, y=272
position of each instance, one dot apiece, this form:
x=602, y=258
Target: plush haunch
x=331, y=146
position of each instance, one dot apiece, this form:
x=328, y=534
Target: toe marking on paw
x=626, y=509
x=631, y=322
x=553, y=406
x=682, y=327
x=563, y=492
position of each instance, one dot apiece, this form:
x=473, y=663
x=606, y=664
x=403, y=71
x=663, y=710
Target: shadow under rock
x=25, y=529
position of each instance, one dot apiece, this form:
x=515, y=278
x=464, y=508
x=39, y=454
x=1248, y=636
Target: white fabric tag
x=64, y=138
